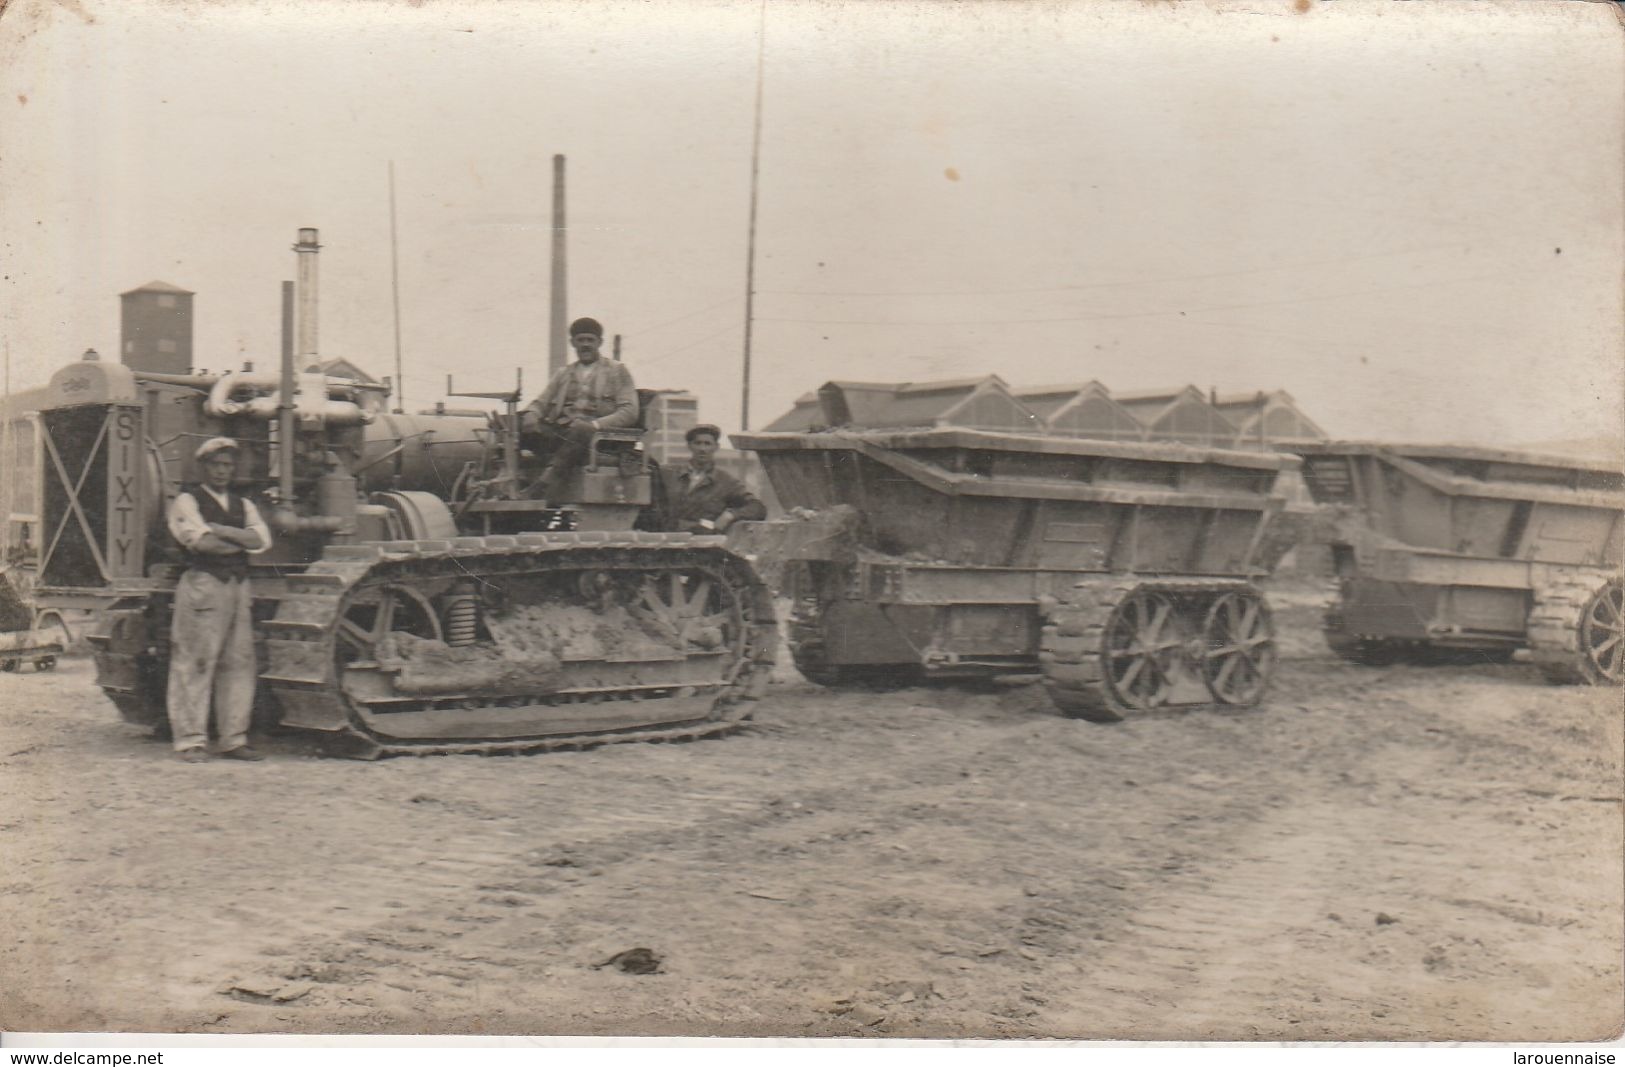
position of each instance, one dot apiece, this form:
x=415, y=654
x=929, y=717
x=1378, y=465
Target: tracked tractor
x=414, y=600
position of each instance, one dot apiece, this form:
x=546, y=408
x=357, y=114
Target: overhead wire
x=692, y=344
x=1105, y=284
x=1111, y=316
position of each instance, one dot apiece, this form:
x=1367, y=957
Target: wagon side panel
x=1558, y=533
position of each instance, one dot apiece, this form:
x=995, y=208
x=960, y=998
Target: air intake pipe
x=336, y=409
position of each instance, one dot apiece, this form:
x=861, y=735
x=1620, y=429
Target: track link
x=125, y=670
x=805, y=629
x=1574, y=630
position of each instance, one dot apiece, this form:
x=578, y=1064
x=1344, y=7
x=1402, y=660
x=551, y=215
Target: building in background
x=1086, y=410
x=807, y=416
x=668, y=414
x=973, y=403
x=21, y=472
x=339, y=367
x=155, y=332
x=1263, y=418
x=1183, y=416
x=1186, y=415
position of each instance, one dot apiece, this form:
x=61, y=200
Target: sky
x=1409, y=216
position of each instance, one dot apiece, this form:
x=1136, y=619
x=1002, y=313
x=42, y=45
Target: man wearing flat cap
x=704, y=498
x=593, y=393
x=211, y=641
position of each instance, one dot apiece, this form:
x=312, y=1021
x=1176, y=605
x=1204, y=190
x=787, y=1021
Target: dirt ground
x=1399, y=853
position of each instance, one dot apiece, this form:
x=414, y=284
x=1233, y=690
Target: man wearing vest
x=211, y=644
x=703, y=499
x=594, y=393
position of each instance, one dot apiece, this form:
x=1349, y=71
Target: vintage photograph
x=1072, y=519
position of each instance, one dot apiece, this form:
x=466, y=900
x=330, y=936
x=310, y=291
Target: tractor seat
x=618, y=446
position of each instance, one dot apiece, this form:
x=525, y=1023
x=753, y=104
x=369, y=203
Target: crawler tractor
x=414, y=599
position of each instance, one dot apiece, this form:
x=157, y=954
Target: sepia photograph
x=995, y=521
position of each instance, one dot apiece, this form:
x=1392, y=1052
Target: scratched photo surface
x=1224, y=239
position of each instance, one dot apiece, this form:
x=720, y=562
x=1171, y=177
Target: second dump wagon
x=1444, y=550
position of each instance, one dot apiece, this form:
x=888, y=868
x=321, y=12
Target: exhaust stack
x=334, y=517
x=284, y=421
x=307, y=249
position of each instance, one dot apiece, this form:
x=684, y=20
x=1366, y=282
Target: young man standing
x=703, y=499
x=211, y=641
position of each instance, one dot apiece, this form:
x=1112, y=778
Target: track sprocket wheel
x=1239, y=649
x=1138, y=650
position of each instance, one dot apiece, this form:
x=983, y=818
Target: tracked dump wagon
x=416, y=598
x=1445, y=552
x=1120, y=571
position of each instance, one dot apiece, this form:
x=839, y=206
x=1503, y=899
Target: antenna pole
x=750, y=243
x=7, y=459
x=395, y=294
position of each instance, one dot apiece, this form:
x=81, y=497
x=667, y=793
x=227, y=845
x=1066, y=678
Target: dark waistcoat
x=233, y=514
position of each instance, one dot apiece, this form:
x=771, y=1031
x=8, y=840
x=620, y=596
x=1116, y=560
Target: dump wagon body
x=1121, y=571
x=1443, y=549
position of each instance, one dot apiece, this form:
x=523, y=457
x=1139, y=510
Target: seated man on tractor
x=594, y=393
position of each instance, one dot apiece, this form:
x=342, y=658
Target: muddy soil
x=1398, y=853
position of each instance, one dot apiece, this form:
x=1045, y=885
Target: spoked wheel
x=1602, y=636
x=1138, y=650
x=693, y=608
x=1238, y=649
x=378, y=613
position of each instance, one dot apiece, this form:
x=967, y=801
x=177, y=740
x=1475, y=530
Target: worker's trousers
x=211, y=655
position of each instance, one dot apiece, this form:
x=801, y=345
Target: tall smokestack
x=307, y=249
x=558, y=353
x=284, y=411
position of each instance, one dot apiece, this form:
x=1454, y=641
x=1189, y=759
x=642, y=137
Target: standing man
x=703, y=499
x=593, y=393
x=211, y=643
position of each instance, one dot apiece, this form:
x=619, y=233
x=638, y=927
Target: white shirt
x=186, y=523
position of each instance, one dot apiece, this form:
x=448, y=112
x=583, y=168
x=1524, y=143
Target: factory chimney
x=558, y=353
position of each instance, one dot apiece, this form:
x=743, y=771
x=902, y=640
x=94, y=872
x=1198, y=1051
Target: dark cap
x=704, y=427
x=586, y=326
